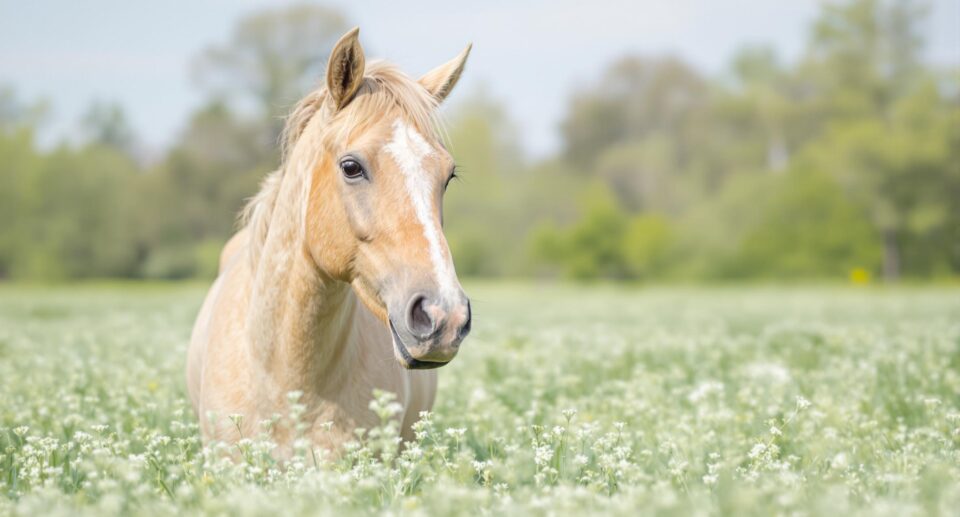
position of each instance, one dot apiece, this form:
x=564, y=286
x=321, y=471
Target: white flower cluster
x=569, y=401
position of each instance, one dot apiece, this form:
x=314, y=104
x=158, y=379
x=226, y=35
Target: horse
x=340, y=281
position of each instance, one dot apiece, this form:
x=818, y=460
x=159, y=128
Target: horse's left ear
x=441, y=80
x=345, y=68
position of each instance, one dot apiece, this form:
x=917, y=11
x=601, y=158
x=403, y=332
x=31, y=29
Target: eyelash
x=453, y=176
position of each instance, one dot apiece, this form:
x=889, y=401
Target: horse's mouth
x=403, y=356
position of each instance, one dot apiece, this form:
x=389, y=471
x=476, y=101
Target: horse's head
x=374, y=210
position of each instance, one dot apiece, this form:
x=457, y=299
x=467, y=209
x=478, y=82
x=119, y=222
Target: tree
x=482, y=214
x=82, y=225
x=634, y=99
x=191, y=200
x=644, y=175
x=863, y=62
x=106, y=124
x=904, y=170
x=19, y=162
x=807, y=230
x=272, y=59
x=592, y=247
x=16, y=115
x=760, y=109
x=865, y=54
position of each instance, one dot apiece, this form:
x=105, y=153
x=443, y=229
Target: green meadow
x=564, y=400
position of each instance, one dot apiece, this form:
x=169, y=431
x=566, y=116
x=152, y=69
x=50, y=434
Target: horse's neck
x=300, y=322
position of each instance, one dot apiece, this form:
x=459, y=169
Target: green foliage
x=647, y=245
x=106, y=124
x=271, y=59
x=483, y=208
x=606, y=241
x=637, y=97
x=55, y=201
x=902, y=169
x=592, y=246
x=808, y=229
x=846, y=159
x=849, y=160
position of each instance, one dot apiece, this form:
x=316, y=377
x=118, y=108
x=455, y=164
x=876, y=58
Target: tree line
x=846, y=161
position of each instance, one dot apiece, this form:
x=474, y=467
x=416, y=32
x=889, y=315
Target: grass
x=565, y=400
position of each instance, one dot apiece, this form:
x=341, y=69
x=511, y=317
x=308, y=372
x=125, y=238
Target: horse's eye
x=351, y=169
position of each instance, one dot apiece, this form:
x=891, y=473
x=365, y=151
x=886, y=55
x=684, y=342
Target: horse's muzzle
x=404, y=357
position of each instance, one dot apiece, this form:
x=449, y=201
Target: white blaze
x=409, y=149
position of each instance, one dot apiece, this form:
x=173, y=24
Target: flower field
x=564, y=400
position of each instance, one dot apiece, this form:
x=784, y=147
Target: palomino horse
x=341, y=281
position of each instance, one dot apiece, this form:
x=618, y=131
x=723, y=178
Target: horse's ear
x=345, y=68
x=441, y=80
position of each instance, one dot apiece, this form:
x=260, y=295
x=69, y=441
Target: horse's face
x=375, y=220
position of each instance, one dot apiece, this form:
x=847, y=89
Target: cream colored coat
x=303, y=301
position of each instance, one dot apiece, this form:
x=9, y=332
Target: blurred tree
x=592, y=247
x=759, y=109
x=71, y=212
x=903, y=170
x=481, y=213
x=864, y=59
x=807, y=230
x=273, y=58
x=82, y=225
x=647, y=246
x=708, y=235
x=849, y=159
x=194, y=196
x=864, y=54
x=605, y=241
x=643, y=174
x=15, y=114
x=213, y=167
x=636, y=98
x=19, y=162
x=106, y=124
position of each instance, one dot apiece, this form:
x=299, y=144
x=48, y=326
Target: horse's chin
x=403, y=356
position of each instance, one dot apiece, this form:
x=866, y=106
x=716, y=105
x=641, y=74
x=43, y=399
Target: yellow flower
x=859, y=276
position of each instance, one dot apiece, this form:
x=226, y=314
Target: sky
x=529, y=55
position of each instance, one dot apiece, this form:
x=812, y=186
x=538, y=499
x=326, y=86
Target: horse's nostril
x=465, y=328
x=420, y=322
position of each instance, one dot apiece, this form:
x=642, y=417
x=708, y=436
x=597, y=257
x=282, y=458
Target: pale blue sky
x=529, y=54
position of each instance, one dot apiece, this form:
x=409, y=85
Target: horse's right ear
x=441, y=80
x=345, y=68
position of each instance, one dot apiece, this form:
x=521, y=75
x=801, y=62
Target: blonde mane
x=384, y=88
